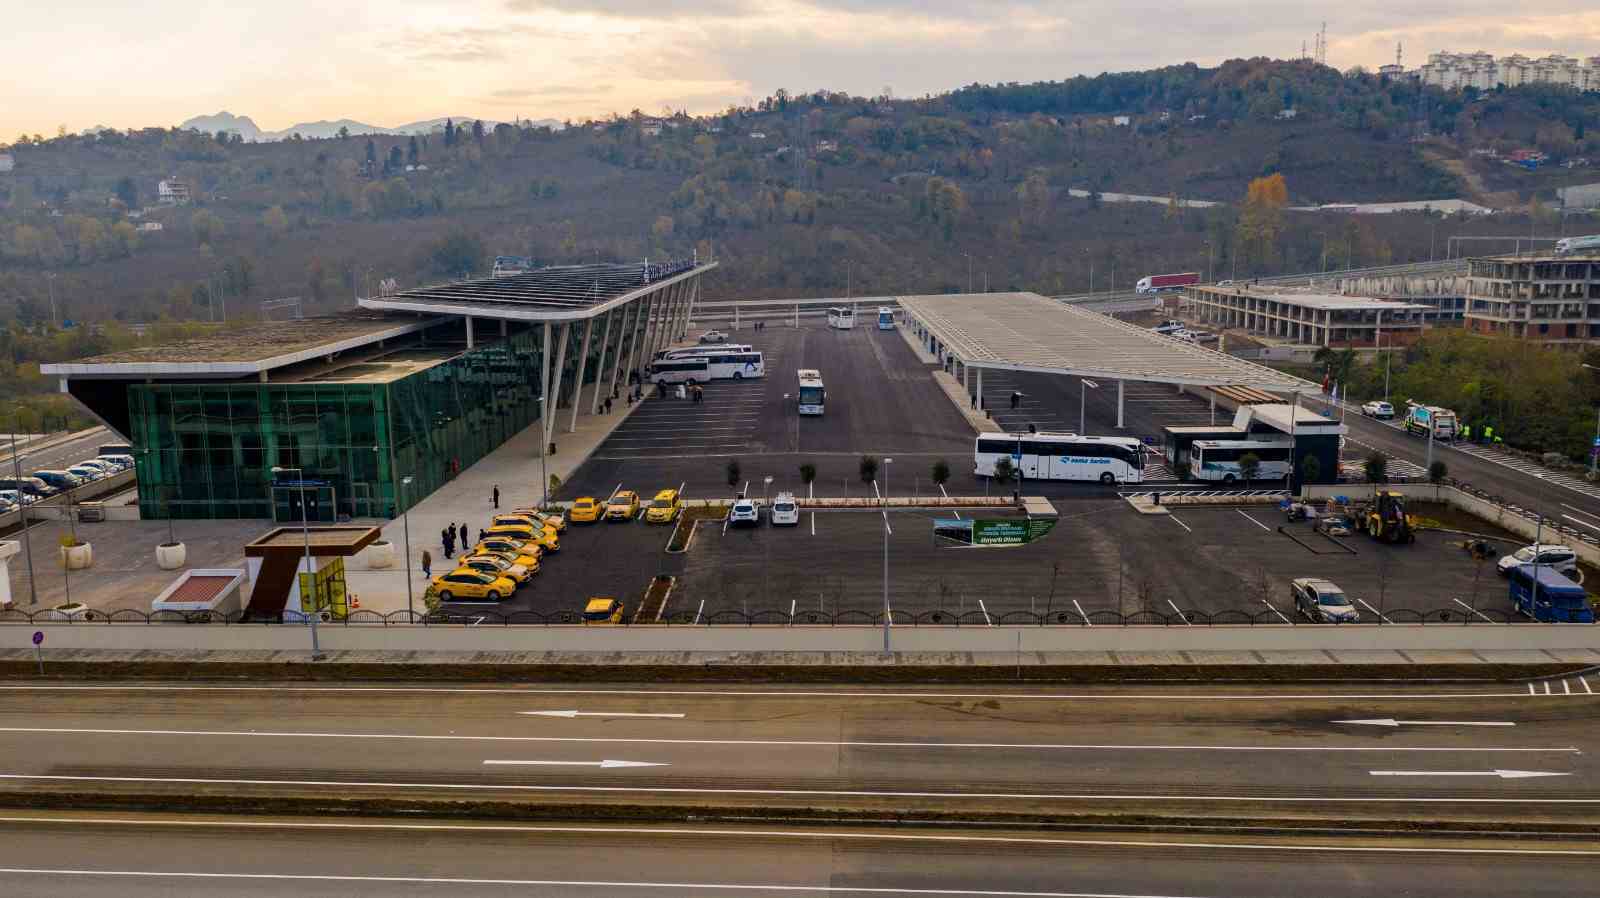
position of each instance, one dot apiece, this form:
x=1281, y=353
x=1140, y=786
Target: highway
x=1497, y=755
x=84, y=855
x=59, y=455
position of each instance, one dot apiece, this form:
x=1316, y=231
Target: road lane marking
x=753, y=693
x=1581, y=523
x=1502, y=774
x=571, y=714
x=1253, y=520
x=1375, y=611
x=812, y=793
x=607, y=764
x=1391, y=722
x=1277, y=612
x=1180, y=523
x=813, y=743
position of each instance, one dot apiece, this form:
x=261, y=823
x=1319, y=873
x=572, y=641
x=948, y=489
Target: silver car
x=1323, y=602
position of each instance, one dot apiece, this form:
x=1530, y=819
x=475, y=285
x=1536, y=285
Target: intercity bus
x=1062, y=456
x=812, y=393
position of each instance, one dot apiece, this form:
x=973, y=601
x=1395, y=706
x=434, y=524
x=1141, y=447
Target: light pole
x=766, y=483
x=1594, y=450
x=969, y=271
x=847, y=264
x=167, y=505
x=1084, y=386
x=405, y=517
x=22, y=509
x=50, y=279
x=886, y=531
x=1388, y=357
x=311, y=574
x=544, y=452
x=1208, y=261
x=1091, y=269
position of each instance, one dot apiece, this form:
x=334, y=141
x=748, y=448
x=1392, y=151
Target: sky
x=83, y=63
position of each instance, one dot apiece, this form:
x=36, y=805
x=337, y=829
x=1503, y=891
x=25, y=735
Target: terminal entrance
x=317, y=497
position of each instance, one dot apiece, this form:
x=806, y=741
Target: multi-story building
x=1311, y=319
x=1548, y=299
x=172, y=191
x=1455, y=71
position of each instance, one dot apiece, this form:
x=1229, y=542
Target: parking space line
x=1277, y=612
x=985, y=609
x=1567, y=685
x=1585, y=682
x=1253, y=520
x=1181, y=615
x=1547, y=688
x=1375, y=611
x=1086, y=621
x=1180, y=523
x=1531, y=690
x=813, y=523
x=1473, y=610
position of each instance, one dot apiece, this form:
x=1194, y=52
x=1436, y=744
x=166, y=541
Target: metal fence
x=1456, y=614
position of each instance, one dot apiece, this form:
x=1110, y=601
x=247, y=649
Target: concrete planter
x=171, y=556
x=379, y=556
x=77, y=558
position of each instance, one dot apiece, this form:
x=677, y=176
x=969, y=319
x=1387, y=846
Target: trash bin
x=91, y=512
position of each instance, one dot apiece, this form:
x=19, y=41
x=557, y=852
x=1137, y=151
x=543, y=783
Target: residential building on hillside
x=173, y=192
x=1455, y=71
x=1579, y=196
x=1548, y=299
x=7, y=162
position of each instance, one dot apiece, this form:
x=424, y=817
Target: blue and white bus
x=1062, y=456
x=736, y=365
x=1219, y=459
x=885, y=318
x=812, y=394
x=695, y=352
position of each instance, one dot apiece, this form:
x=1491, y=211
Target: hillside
x=789, y=192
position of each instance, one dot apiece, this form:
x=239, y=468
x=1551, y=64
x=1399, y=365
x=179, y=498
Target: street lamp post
x=305, y=532
x=1084, y=386
x=405, y=517
x=544, y=452
x=50, y=278
x=22, y=509
x=969, y=271
x=886, y=612
x=1594, y=450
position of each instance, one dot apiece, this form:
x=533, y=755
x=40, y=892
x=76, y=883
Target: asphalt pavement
x=1498, y=755
x=59, y=455
x=135, y=856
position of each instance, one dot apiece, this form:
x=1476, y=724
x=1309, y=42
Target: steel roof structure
x=1029, y=332
x=557, y=293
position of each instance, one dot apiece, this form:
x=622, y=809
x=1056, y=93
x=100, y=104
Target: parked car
x=518, y=557
x=1322, y=601
x=520, y=519
x=15, y=499
x=523, y=553
x=744, y=513
x=466, y=583
x=1225, y=282
x=1169, y=326
x=486, y=563
x=120, y=462
x=785, y=511
x=624, y=506
x=1557, y=558
x=1546, y=595
x=61, y=480
x=713, y=337
x=105, y=468
x=1378, y=409
x=602, y=610
x=87, y=473
x=1204, y=336
x=548, y=518
x=585, y=510
x=7, y=506
x=32, y=486
x=664, y=508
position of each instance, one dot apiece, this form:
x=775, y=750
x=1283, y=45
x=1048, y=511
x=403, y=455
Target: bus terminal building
x=335, y=412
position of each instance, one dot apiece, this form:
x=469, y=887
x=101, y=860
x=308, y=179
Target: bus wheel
x=1228, y=478
x=1108, y=478
x=691, y=381
x=738, y=375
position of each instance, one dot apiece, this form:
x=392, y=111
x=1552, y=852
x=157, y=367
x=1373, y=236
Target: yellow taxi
x=466, y=583
x=585, y=510
x=547, y=518
x=624, y=506
x=516, y=518
x=515, y=550
x=499, y=566
x=602, y=610
x=545, y=539
x=664, y=508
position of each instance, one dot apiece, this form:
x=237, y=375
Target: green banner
x=1010, y=531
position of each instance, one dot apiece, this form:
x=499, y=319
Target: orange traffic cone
x=355, y=601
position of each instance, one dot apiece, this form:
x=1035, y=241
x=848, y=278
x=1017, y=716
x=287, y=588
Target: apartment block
x=1547, y=299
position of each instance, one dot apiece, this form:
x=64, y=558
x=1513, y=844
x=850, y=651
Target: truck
x=1166, y=283
x=1570, y=245
x=1547, y=595
x=1420, y=418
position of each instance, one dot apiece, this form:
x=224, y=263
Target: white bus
x=812, y=394
x=842, y=318
x=734, y=365
x=680, y=371
x=1219, y=459
x=696, y=351
x=885, y=318
x=1062, y=456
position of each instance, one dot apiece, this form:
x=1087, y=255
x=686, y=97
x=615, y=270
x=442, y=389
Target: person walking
x=427, y=564
x=496, y=496
x=1016, y=399
x=463, y=537
x=449, y=542
x=1488, y=433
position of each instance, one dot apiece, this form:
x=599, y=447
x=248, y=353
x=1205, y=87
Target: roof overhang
x=513, y=310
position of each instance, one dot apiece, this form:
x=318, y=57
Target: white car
x=1378, y=409
x=785, y=511
x=744, y=513
x=86, y=472
x=104, y=467
x=1322, y=601
x=713, y=337
x=17, y=497
x=1559, y=558
x=123, y=462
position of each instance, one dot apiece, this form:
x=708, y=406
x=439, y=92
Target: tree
x=869, y=468
x=1003, y=469
x=1249, y=466
x=344, y=132
x=412, y=152
x=1437, y=472
x=372, y=155
x=733, y=471
x=1261, y=222
x=477, y=132
x=455, y=254
x=275, y=221
x=1310, y=469
x=395, y=162
x=1376, y=467
x=128, y=192
x=449, y=133
x=808, y=474
x=207, y=227
x=940, y=472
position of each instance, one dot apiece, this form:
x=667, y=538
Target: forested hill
x=787, y=193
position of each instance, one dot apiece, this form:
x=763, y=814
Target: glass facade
x=208, y=450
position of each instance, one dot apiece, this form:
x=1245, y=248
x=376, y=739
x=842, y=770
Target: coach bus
x=885, y=318
x=1062, y=456
x=842, y=318
x=696, y=351
x=1219, y=459
x=734, y=365
x=812, y=394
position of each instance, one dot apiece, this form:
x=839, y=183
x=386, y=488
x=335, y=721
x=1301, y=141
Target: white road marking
x=1277, y=612
x=607, y=764
x=1531, y=690
x=756, y=693
x=1547, y=688
x=813, y=523
x=985, y=609
x=1567, y=685
x=1581, y=523
x=1473, y=610
x=1574, y=508
x=1253, y=520
x=1180, y=613
x=792, y=835
x=1375, y=611
x=571, y=714
x=828, y=793
x=788, y=743
x=1502, y=774
x=1391, y=722
x=1085, y=617
x=1180, y=523
x=1585, y=682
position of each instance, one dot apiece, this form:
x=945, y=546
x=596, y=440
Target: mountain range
x=246, y=128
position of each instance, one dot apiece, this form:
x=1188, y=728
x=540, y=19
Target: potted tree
x=808, y=475
x=76, y=555
x=1249, y=467
x=171, y=554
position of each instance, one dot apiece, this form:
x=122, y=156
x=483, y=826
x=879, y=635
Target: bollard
x=1157, y=498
